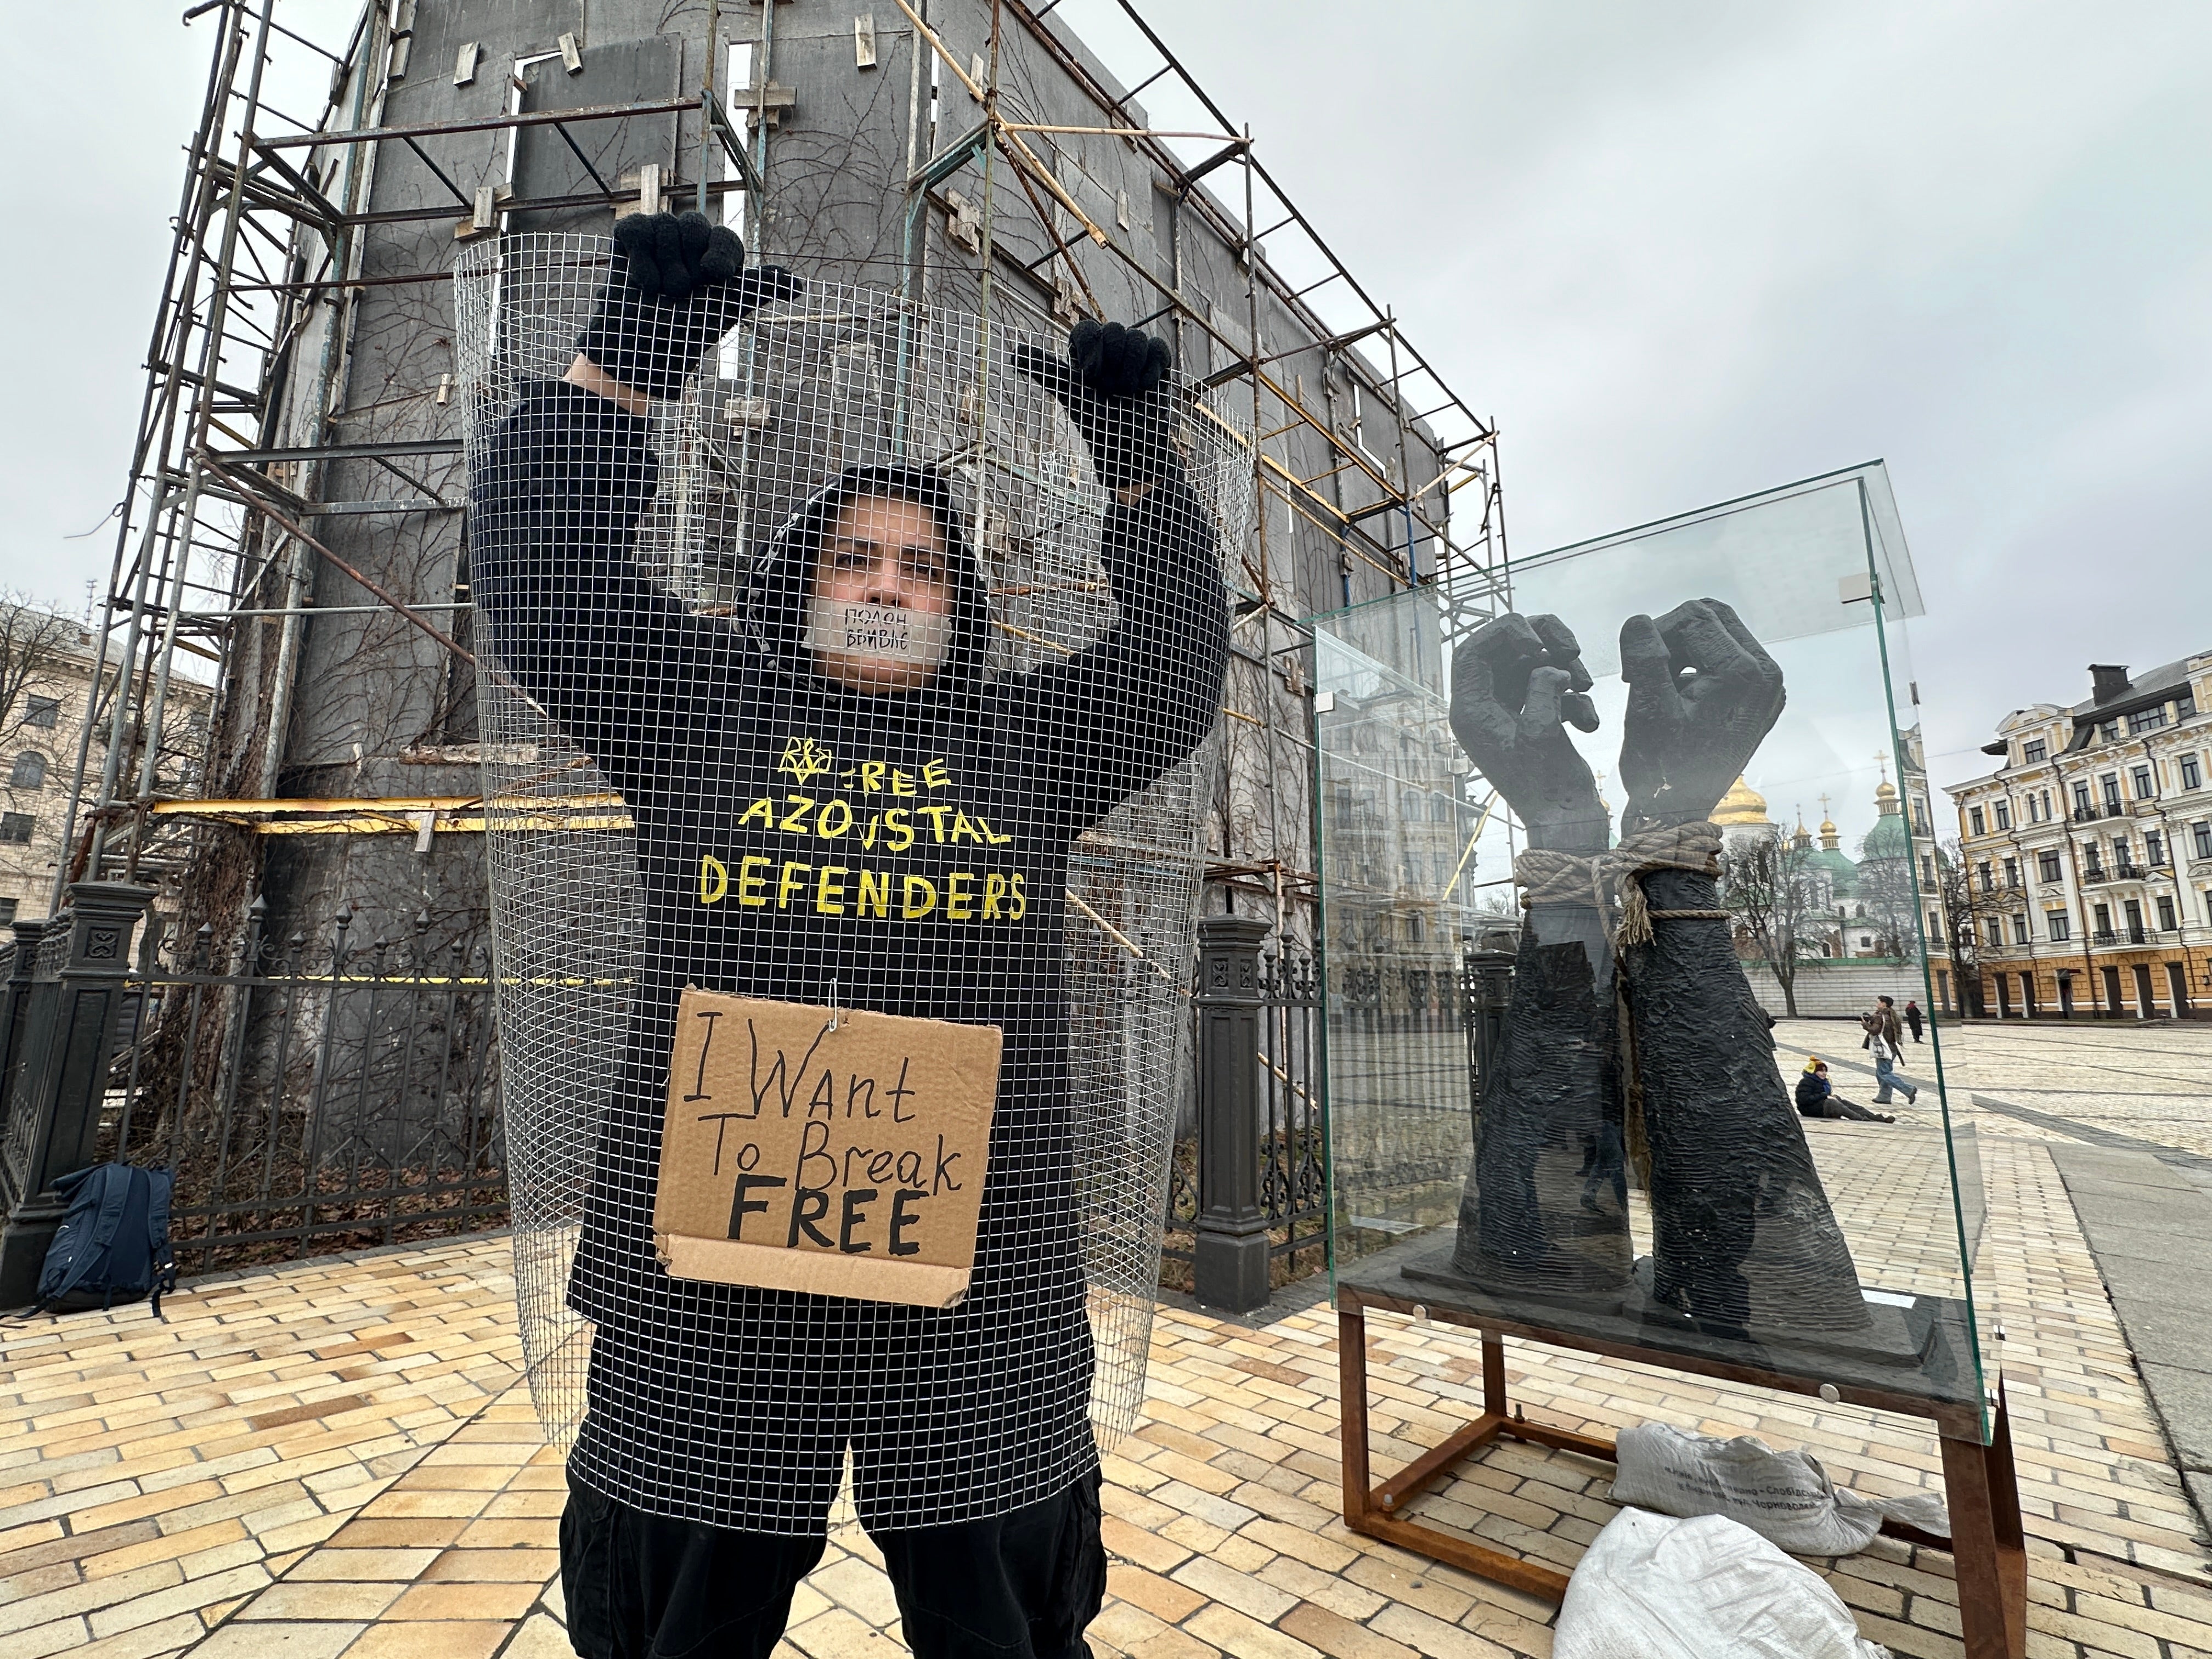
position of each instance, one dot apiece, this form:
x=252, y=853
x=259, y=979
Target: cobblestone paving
x=2149, y=1080
x=334, y=1457
x=158, y=1474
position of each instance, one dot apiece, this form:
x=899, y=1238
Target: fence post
x=1486, y=978
x=14, y=1020
x=1229, y=1260
x=54, y=1119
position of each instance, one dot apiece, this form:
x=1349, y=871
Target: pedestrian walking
x=1913, y=1017
x=1885, y=1063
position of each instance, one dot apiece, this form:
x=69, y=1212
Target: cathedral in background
x=1848, y=908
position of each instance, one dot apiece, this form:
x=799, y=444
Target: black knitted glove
x=678, y=286
x=1113, y=386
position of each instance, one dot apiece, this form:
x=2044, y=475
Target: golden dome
x=1885, y=797
x=1742, y=804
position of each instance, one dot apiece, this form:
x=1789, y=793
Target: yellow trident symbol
x=805, y=758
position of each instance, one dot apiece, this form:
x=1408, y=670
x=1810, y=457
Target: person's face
x=883, y=551
x=1820, y=1071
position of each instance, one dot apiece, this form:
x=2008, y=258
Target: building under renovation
x=298, y=504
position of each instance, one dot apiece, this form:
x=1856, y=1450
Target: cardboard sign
x=836, y=1151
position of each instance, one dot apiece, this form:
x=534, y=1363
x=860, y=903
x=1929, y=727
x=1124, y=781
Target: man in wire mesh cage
x=758, y=755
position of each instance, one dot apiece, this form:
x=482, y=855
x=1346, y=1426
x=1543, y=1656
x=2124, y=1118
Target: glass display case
x=1607, y=877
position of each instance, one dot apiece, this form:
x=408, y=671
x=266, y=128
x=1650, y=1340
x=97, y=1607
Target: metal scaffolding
x=238, y=540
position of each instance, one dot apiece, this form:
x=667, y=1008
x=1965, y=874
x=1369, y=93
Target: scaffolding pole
x=215, y=537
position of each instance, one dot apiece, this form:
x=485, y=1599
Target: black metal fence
x=1408, y=1040
x=309, y=1094
x=331, y=1094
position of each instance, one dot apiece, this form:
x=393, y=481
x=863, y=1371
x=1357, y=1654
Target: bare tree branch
x=1774, y=889
x=1970, y=908
x=33, y=640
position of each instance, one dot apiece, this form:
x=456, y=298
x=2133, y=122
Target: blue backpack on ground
x=113, y=1242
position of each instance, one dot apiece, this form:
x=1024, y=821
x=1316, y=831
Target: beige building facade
x=45, y=681
x=2093, y=838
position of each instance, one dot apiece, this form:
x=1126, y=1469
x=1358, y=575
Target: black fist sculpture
x=1532, y=1223
x=1516, y=684
x=1702, y=696
x=1744, y=1245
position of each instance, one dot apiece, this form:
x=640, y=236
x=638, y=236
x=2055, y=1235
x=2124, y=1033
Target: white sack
x=1651, y=1587
x=1785, y=1496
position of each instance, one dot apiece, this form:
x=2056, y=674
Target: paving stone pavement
x=155, y=1475
x=2150, y=1081
x=334, y=1457
x=2150, y=1226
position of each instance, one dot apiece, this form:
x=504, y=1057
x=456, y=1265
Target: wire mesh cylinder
x=649, y=718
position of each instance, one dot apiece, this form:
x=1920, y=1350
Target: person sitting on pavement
x=1817, y=1096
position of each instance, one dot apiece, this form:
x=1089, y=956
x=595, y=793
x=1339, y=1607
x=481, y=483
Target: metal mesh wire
x=641, y=691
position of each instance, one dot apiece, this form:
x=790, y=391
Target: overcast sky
x=1679, y=254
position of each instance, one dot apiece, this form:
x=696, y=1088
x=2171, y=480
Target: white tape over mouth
x=886, y=633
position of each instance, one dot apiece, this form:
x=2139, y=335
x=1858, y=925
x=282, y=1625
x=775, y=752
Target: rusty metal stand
x=1986, y=1542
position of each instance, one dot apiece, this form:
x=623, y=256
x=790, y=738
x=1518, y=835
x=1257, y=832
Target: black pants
x=1836, y=1106
x=1019, y=1586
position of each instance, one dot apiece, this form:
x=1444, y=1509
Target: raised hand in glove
x=1703, y=693
x=1113, y=386
x=679, y=285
